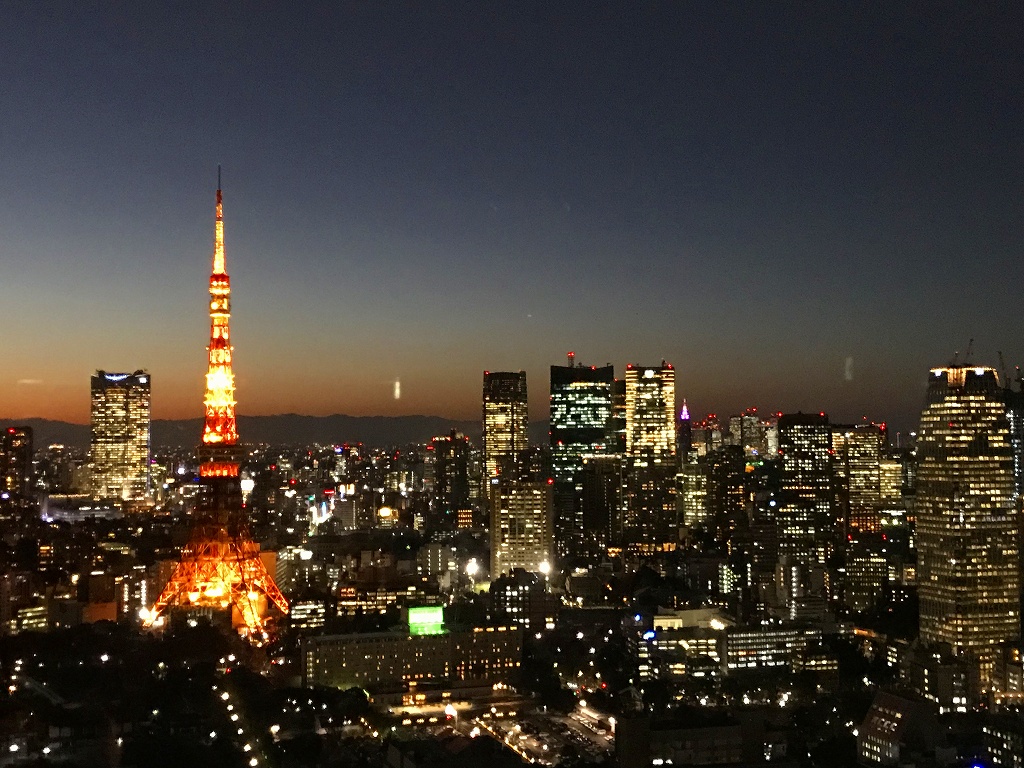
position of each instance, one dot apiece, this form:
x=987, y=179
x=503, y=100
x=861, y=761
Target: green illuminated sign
x=426, y=620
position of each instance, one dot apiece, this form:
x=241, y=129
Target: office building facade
x=16, y=457
x=451, y=487
x=505, y=421
x=805, y=517
x=581, y=412
x=858, y=459
x=522, y=521
x=650, y=516
x=968, y=525
x=392, y=661
x=120, y=435
x=650, y=411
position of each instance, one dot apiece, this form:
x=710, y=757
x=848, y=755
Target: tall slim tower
x=805, y=515
x=581, y=411
x=220, y=566
x=858, y=465
x=968, y=525
x=505, y=420
x=119, y=445
x=650, y=521
x=451, y=478
x=16, y=462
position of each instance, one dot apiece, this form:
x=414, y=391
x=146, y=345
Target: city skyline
x=798, y=209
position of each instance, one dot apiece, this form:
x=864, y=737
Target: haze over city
x=799, y=207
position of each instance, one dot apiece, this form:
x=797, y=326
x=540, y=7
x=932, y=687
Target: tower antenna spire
x=218, y=177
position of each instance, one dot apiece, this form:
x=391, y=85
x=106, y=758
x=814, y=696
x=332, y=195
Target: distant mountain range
x=288, y=428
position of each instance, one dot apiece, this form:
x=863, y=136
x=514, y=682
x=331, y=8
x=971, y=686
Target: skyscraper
x=581, y=410
x=968, y=525
x=451, y=478
x=724, y=490
x=16, y=458
x=505, y=420
x=807, y=526
x=221, y=569
x=119, y=451
x=650, y=411
x=521, y=526
x=858, y=460
x=601, y=498
x=651, y=519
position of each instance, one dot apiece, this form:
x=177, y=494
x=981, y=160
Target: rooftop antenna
x=1002, y=369
x=970, y=349
x=572, y=358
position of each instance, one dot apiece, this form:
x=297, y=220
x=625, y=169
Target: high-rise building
x=451, y=478
x=692, y=487
x=805, y=512
x=221, y=570
x=505, y=421
x=747, y=431
x=968, y=524
x=650, y=411
x=581, y=409
x=651, y=519
x=858, y=459
x=890, y=482
x=16, y=458
x=601, y=481
x=617, y=425
x=522, y=533
x=724, y=490
x=867, y=570
x=119, y=450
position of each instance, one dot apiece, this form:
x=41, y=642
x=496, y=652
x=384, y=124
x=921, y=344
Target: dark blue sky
x=755, y=192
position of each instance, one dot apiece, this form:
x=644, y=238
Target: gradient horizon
x=759, y=195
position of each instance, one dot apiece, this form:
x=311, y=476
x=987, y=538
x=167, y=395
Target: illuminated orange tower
x=220, y=566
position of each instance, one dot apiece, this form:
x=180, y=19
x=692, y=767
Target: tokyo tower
x=220, y=566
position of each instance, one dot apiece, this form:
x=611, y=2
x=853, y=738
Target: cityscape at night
x=400, y=385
